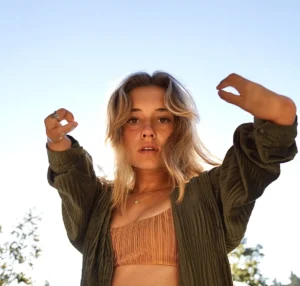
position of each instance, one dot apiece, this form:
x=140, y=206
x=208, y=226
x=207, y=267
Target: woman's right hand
x=56, y=132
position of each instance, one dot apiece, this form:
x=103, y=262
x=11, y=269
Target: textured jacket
x=209, y=223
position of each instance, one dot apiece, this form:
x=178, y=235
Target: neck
x=151, y=180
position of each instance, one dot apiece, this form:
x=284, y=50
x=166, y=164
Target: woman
x=164, y=220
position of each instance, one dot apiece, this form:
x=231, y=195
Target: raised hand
x=258, y=100
x=56, y=132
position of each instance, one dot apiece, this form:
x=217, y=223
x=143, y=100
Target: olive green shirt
x=209, y=223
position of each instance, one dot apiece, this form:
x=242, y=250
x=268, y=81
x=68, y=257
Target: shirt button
x=261, y=131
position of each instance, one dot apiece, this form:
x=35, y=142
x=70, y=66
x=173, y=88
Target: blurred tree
x=276, y=283
x=245, y=264
x=17, y=255
x=295, y=280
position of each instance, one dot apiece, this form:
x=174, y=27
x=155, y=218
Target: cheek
x=166, y=133
x=129, y=131
x=129, y=139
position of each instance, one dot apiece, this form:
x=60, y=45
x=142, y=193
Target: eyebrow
x=158, y=109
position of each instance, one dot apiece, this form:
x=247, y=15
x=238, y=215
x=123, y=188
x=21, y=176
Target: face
x=150, y=124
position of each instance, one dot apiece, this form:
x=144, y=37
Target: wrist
x=59, y=145
x=287, y=112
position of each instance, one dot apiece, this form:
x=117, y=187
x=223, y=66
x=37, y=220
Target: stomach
x=145, y=275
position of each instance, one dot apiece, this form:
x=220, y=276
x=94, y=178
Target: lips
x=148, y=148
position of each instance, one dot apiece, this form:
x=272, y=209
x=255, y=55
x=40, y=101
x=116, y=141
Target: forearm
x=71, y=173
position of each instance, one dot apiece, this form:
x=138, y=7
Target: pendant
x=136, y=202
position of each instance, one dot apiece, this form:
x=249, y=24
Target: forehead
x=147, y=96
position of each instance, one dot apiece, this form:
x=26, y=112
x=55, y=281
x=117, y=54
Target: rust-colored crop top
x=148, y=241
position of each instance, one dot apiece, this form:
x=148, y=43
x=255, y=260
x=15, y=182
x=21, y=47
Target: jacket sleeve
x=249, y=166
x=71, y=173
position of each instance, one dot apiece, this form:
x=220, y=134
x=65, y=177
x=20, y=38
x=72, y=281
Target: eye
x=164, y=120
x=132, y=120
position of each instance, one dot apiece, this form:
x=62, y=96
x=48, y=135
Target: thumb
x=230, y=97
x=57, y=134
x=69, y=127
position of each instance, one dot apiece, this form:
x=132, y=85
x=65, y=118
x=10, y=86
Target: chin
x=147, y=166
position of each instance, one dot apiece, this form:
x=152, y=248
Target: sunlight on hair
x=184, y=154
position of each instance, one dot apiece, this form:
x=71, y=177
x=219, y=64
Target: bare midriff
x=145, y=275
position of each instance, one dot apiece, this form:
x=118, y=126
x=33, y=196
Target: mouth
x=148, y=150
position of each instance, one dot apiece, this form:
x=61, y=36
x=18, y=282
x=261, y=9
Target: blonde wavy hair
x=183, y=151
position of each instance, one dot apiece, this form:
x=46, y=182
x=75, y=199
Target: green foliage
x=18, y=254
x=245, y=267
x=295, y=280
x=245, y=264
x=276, y=283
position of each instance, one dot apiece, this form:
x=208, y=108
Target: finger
x=233, y=80
x=230, y=97
x=56, y=133
x=63, y=114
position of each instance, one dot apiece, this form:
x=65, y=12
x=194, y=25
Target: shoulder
x=199, y=187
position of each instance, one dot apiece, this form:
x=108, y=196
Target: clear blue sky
x=72, y=53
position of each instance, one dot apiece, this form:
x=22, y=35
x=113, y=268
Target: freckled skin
x=147, y=126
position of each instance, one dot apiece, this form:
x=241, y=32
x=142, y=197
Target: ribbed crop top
x=148, y=241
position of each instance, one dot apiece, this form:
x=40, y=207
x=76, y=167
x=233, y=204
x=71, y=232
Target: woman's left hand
x=258, y=100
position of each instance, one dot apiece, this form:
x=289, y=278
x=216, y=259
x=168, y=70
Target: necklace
x=138, y=201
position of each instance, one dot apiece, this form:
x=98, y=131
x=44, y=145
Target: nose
x=148, y=132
